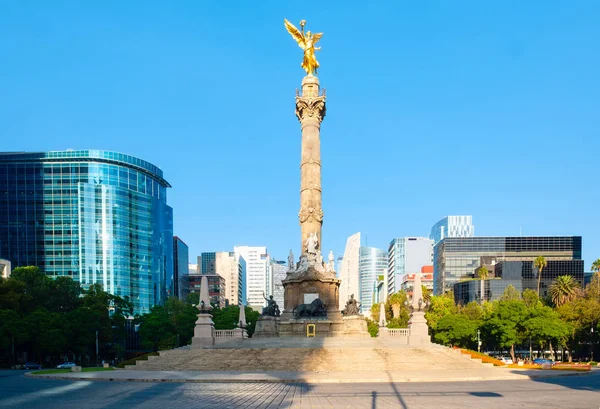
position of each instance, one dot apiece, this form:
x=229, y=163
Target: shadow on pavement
x=586, y=381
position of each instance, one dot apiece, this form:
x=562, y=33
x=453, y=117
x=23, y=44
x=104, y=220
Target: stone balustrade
x=224, y=333
x=398, y=332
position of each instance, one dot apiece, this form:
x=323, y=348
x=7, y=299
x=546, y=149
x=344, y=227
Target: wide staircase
x=294, y=356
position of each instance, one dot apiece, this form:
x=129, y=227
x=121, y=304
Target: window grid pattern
x=96, y=222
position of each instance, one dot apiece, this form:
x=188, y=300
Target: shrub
x=372, y=327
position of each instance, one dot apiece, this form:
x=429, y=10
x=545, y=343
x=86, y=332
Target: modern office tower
x=426, y=280
x=373, y=267
x=349, y=270
x=257, y=266
x=520, y=274
x=406, y=255
x=5, y=268
x=452, y=226
x=99, y=217
x=206, y=262
x=180, y=268
x=278, y=272
x=216, y=288
x=227, y=265
x=458, y=258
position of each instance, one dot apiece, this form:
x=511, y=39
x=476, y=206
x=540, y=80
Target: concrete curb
x=307, y=380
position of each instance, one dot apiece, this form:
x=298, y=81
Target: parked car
x=507, y=360
x=541, y=361
x=31, y=365
x=66, y=365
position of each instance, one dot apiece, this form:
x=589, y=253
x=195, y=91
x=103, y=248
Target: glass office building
x=96, y=216
x=457, y=258
x=180, y=269
x=372, y=267
x=452, y=226
x=521, y=275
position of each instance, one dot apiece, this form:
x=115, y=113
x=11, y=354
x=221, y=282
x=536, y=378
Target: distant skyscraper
x=406, y=255
x=99, y=217
x=257, y=266
x=372, y=268
x=180, y=268
x=278, y=272
x=349, y=270
x=452, y=226
x=207, y=263
x=228, y=266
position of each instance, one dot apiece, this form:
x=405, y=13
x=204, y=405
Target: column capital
x=310, y=108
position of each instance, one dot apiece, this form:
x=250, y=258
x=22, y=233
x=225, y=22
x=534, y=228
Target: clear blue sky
x=434, y=108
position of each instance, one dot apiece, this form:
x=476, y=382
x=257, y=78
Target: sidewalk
x=441, y=375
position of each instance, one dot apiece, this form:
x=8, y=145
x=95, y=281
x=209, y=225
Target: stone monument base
x=356, y=326
x=203, y=332
x=419, y=334
x=266, y=327
x=324, y=328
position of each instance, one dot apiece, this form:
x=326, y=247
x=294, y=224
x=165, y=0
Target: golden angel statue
x=307, y=43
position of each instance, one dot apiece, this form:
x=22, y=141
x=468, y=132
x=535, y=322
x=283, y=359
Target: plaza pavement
x=573, y=392
x=439, y=375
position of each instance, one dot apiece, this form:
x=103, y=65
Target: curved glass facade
x=372, y=265
x=96, y=216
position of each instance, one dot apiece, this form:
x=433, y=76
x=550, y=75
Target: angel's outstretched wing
x=296, y=34
x=316, y=37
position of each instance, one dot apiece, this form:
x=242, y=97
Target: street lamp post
x=592, y=342
x=478, y=341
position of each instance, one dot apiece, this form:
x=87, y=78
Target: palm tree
x=539, y=263
x=482, y=273
x=563, y=290
x=596, y=266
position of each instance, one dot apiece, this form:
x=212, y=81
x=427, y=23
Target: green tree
x=397, y=313
x=157, y=331
x=530, y=298
x=593, y=288
x=426, y=293
x=375, y=308
x=540, y=263
x=12, y=332
x=440, y=306
x=544, y=324
x=395, y=302
x=457, y=329
x=510, y=293
x=596, y=265
x=564, y=289
x=505, y=325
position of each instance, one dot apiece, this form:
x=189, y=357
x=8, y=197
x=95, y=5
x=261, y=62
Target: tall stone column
x=310, y=110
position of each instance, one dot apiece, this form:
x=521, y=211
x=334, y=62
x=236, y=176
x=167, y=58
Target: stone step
x=307, y=359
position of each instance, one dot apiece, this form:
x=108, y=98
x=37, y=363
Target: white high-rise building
x=452, y=226
x=407, y=255
x=257, y=272
x=227, y=265
x=349, y=270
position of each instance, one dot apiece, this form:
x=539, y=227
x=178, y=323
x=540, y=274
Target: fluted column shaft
x=310, y=110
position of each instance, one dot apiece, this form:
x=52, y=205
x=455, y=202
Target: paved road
x=16, y=391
